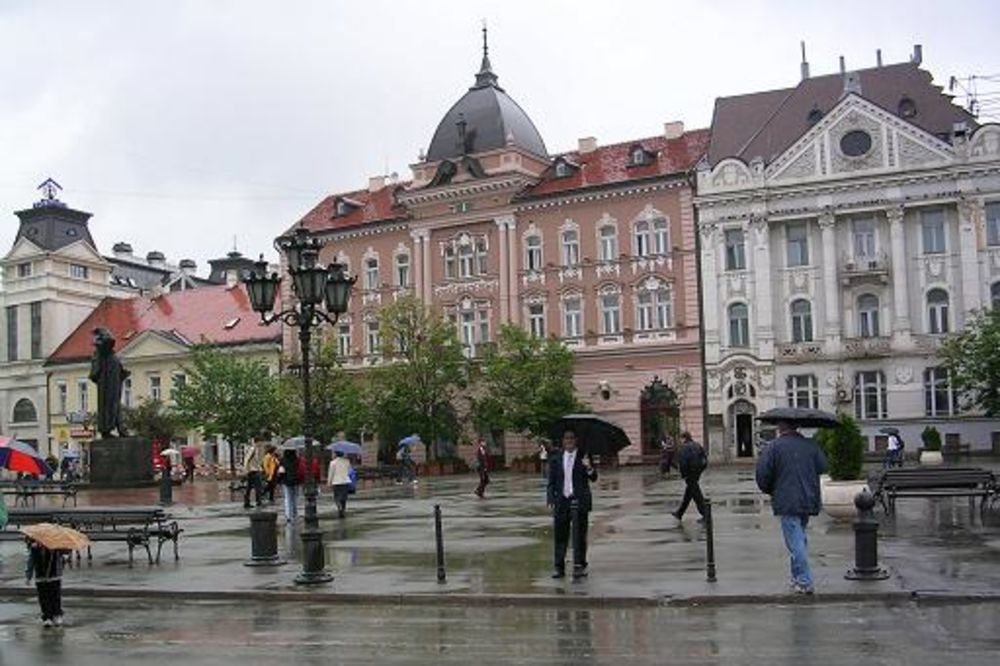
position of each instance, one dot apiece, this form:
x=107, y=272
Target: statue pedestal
x=121, y=461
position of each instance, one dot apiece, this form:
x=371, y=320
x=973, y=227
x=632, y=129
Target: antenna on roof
x=235, y=249
x=805, y=63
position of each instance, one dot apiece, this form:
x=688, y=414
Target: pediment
x=729, y=174
x=985, y=143
x=24, y=249
x=80, y=250
x=152, y=344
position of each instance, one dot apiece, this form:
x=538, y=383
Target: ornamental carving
x=934, y=266
x=904, y=374
x=732, y=174
x=852, y=122
x=641, y=264
x=912, y=153
x=736, y=284
x=802, y=166
x=986, y=143
x=766, y=377
x=714, y=381
x=451, y=289
x=799, y=282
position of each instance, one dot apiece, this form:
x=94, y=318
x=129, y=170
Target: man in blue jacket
x=788, y=471
x=570, y=474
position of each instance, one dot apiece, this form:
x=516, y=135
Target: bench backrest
x=945, y=477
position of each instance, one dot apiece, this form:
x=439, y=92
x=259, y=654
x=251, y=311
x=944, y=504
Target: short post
x=866, y=541
x=264, y=540
x=709, y=543
x=166, y=487
x=439, y=536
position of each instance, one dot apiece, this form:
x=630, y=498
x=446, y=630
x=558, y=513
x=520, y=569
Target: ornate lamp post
x=314, y=285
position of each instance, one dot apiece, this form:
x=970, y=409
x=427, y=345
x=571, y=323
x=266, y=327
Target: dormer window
x=342, y=208
x=814, y=116
x=907, y=108
x=639, y=156
x=563, y=170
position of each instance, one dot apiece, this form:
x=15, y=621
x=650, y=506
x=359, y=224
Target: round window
x=855, y=143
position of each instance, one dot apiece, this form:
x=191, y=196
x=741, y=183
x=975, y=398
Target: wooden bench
x=29, y=490
x=892, y=484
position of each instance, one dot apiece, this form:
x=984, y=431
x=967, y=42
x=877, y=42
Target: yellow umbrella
x=56, y=537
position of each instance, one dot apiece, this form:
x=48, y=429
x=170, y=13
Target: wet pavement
x=500, y=548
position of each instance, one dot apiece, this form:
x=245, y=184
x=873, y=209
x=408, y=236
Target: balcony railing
x=852, y=267
x=799, y=352
x=867, y=347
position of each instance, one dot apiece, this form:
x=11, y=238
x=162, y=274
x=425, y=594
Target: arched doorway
x=659, y=414
x=741, y=416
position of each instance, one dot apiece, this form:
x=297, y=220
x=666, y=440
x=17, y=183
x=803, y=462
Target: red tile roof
x=378, y=206
x=609, y=165
x=192, y=316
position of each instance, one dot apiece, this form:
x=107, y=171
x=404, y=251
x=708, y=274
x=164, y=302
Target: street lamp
x=314, y=285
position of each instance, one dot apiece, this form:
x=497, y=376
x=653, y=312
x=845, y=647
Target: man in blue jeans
x=788, y=471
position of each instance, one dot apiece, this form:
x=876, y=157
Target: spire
x=485, y=77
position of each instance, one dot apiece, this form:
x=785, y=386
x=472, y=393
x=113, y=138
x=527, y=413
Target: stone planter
x=930, y=457
x=838, y=497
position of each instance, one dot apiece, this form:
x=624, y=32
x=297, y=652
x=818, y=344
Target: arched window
x=802, y=321
x=739, y=325
x=371, y=274
x=642, y=246
x=24, y=412
x=868, y=316
x=570, y=247
x=533, y=253
x=609, y=243
x=661, y=236
x=937, y=311
x=403, y=270
x=995, y=294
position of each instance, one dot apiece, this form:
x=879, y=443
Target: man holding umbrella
x=570, y=474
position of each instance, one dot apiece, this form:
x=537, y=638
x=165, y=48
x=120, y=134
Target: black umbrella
x=889, y=430
x=799, y=416
x=595, y=436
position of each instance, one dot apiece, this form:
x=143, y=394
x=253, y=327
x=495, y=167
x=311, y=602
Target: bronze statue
x=107, y=371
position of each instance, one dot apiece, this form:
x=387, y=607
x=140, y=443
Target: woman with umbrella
x=293, y=474
x=48, y=545
x=339, y=473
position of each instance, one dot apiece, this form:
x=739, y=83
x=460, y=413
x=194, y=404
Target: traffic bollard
x=439, y=536
x=709, y=543
x=866, y=541
x=264, y=540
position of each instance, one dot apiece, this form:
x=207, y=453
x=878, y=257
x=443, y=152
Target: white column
x=509, y=257
x=831, y=289
x=418, y=264
x=428, y=268
x=504, y=290
x=971, y=214
x=900, y=298
x=763, y=337
x=710, y=284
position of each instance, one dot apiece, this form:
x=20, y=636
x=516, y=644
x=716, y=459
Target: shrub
x=844, y=447
x=931, y=438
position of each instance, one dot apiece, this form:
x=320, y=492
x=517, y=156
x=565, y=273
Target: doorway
x=742, y=414
x=659, y=415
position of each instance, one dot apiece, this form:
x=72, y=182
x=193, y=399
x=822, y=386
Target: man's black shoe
x=579, y=573
x=676, y=515
x=559, y=573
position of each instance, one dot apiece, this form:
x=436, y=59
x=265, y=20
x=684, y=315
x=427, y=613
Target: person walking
x=789, y=471
x=668, y=449
x=339, y=477
x=45, y=566
x=407, y=471
x=569, y=497
x=270, y=466
x=293, y=473
x=251, y=476
x=692, y=462
x=894, y=452
x=543, y=459
x=483, y=464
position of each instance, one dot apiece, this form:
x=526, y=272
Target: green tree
x=423, y=369
x=153, y=420
x=527, y=383
x=236, y=398
x=340, y=399
x=844, y=447
x=972, y=360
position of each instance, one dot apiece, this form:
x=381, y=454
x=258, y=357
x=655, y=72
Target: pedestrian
x=293, y=473
x=339, y=477
x=570, y=474
x=271, y=465
x=251, y=475
x=894, y=452
x=408, y=469
x=543, y=459
x=483, y=465
x=188, y=461
x=53, y=464
x=668, y=449
x=692, y=462
x=45, y=566
x=789, y=471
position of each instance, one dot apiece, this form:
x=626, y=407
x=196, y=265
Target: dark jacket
x=788, y=471
x=43, y=564
x=692, y=461
x=581, y=481
x=295, y=468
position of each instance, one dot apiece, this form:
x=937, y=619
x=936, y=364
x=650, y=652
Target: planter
x=838, y=497
x=930, y=457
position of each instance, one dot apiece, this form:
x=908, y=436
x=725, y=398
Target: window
x=664, y=308
x=869, y=395
x=654, y=309
x=939, y=398
x=570, y=247
x=802, y=324
x=995, y=295
x=802, y=391
x=36, y=329
x=78, y=271
x=856, y=143
x=572, y=327
x=993, y=223
x=533, y=253
x=610, y=314
x=372, y=338
x=371, y=274
x=468, y=331
x=24, y=270
x=62, y=398
x=344, y=340
x=932, y=222
x=739, y=325
x=868, y=316
x=661, y=236
x=450, y=264
x=155, y=388
x=179, y=381
x=937, y=311
x=481, y=256
x=608, y=243
x=736, y=259
x=466, y=261
x=864, y=238
x=127, y=392
x=797, y=237
x=638, y=155
x=642, y=239
x=644, y=311
x=83, y=394
x=536, y=320
x=562, y=170
x=11, y=332
x=24, y=412
x=403, y=270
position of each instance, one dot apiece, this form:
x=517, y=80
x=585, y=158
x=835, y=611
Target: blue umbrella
x=409, y=441
x=345, y=447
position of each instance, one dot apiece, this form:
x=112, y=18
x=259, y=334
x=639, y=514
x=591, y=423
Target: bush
x=844, y=447
x=932, y=439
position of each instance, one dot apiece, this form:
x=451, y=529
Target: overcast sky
x=181, y=125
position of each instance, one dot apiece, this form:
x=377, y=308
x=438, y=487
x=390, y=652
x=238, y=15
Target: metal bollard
x=166, y=487
x=439, y=536
x=866, y=541
x=709, y=543
x=264, y=540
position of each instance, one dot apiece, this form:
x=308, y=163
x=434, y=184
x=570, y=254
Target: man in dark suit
x=570, y=474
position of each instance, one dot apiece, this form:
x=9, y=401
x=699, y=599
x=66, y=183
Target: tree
x=153, y=420
x=972, y=361
x=844, y=447
x=423, y=369
x=340, y=400
x=236, y=398
x=527, y=383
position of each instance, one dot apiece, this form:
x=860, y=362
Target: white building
x=846, y=225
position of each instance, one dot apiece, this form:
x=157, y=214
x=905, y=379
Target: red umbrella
x=190, y=451
x=20, y=457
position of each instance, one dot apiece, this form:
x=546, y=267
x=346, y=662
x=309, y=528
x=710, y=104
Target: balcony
x=799, y=352
x=862, y=269
x=867, y=347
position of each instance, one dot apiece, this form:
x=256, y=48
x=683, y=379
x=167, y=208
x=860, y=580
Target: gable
x=23, y=249
x=80, y=250
x=152, y=344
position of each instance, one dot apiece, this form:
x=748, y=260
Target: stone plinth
x=121, y=461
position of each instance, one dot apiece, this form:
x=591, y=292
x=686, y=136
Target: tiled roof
x=215, y=314
x=765, y=124
x=378, y=206
x=609, y=165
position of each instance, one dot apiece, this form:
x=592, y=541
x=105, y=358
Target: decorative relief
x=570, y=273
x=608, y=268
x=736, y=284
x=731, y=174
x=890, y=147
x=642, y=264
x=986, y=143
x=455, y=288
x=904, y=374
x=714, y=381
x=822, y=156
x=853, y=121
x=912, y=153
x=530, y=277
x=766, y=378
x=934, y=266
x=801, y=167
x=833, y=378
x=799, y=281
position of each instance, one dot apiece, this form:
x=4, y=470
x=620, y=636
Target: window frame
x=799, y=386
x=155, y=387
x=36, y=322
x=938, y=312
x=868, y=318
x=83, y=394
x=608, y=244
x=344, y=339
x=937, y=387
x=735, y=253
x=373, y=338
x=802, y=322
x=536, y=320
x=870, y=385
x=864, y=238
x=660, y=234
x=611, y=315
x=372, y=278
x=24, y=269
x=643, y=238
x=79, y=272
x=533, y=257
x=991, y=214
x=402, y=269
x=797, y=248
x=62, y=397
x=933, y=231
x=739, y=326
x=569, y=240
x=574, y=315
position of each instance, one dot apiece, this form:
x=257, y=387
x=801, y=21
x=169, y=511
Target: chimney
x=156, y=259
x=232, y=278
x=376, y=183
x=918, y=54
x=122, y=250
x=188, y=266
x=852, y=84
x=804, y=67
x=878, y=57
x=843, y=65
x=673, y=129
x=587, y=144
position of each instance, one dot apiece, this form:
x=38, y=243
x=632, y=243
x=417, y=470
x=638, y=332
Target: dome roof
x=485, y=118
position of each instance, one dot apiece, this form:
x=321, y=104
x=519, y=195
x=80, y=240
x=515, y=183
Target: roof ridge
x=630, y=142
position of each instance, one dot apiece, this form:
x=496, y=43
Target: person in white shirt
x=570, y=474
x=894, y=452
x=339, y=478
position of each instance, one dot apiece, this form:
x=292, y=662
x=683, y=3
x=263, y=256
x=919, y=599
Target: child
x=45, y=566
